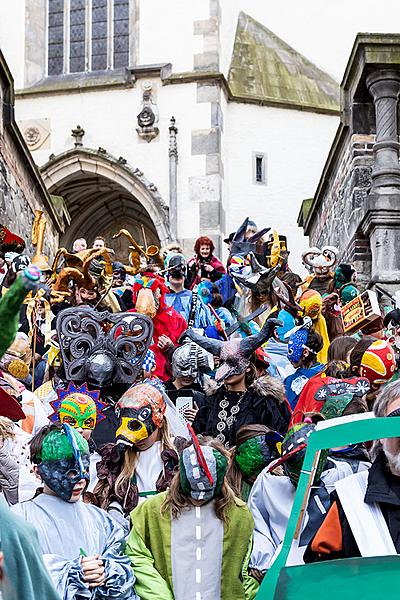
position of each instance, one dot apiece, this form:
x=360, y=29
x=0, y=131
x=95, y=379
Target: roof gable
x=265, y=68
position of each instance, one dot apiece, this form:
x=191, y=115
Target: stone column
x=384, y=87
x=173, y=180
x=382, y=221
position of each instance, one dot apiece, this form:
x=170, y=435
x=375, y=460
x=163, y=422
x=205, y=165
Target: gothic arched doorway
x=103, y=195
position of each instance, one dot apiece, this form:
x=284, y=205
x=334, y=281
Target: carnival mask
x=102, y=348
x=234, y=355
x=311, y=303
x=253, y=455
x=344, y=274
x=294, y=448
x=204, y=290
x=378, y=362
x=148, y=295
x=298, y=338
x=237, y=265
x=79, y=411
x=243, y=245
x=140, y=411
x=77, y=406
x=64, y=461
x=146, y=303
x=20, y=262
x=202, y=482
x=190, y=360
x=320, y=262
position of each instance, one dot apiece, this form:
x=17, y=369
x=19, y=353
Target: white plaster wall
x=229, y=16
x=296, y=144
x=109, y=120
x=12, y=37
x=166, y=32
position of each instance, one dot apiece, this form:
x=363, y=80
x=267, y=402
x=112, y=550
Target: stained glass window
x=55, y=60
x=87, y=35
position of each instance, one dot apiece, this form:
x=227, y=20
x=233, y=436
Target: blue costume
x=182, y=303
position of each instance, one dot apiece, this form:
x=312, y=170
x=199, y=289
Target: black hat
x=229, y=238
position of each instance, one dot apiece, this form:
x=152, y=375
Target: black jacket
x=254, y=408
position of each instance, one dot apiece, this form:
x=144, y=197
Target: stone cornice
x=381, y=218
x=78, y=83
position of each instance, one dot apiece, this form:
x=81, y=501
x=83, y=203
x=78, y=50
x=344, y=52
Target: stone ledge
x=88, y=81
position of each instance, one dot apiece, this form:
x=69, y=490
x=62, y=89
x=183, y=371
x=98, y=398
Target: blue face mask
x=62, y=475
x=297, y=343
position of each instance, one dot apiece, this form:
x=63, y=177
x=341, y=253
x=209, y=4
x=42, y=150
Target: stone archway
x=103, y=194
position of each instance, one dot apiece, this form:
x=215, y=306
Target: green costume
x=150, y=550
x=25, y=575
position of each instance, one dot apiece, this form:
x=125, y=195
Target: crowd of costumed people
x=155, y=412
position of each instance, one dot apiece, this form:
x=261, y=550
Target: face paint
x=194, y=482
x=140, y=411
x=79, y=411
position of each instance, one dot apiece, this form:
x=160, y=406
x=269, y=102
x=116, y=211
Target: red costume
x=166, y=320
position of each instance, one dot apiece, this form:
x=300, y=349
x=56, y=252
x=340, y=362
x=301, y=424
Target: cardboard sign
x=361, y=310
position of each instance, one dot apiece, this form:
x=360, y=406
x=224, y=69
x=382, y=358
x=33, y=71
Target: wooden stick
x=34, y=349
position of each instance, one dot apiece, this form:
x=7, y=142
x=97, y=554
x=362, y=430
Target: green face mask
x=253, y=455
x=294, y=446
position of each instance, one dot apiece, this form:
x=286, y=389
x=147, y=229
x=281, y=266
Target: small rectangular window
x=259, y=168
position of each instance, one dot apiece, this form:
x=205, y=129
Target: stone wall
x=345, y=196
x=22, y=191
x=357, y=202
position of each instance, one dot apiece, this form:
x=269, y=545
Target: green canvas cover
x=350, y=578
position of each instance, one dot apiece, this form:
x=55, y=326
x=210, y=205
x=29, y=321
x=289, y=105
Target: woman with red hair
x=204, y=265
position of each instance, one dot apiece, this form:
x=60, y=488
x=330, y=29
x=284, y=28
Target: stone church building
x=183, y=117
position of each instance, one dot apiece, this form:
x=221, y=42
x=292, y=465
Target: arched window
x=87, y=35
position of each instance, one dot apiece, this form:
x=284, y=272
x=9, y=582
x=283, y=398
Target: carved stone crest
x=36, y=133
x=148, y=117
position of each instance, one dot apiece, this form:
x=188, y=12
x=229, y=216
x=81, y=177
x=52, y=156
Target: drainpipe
x=173, y=176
